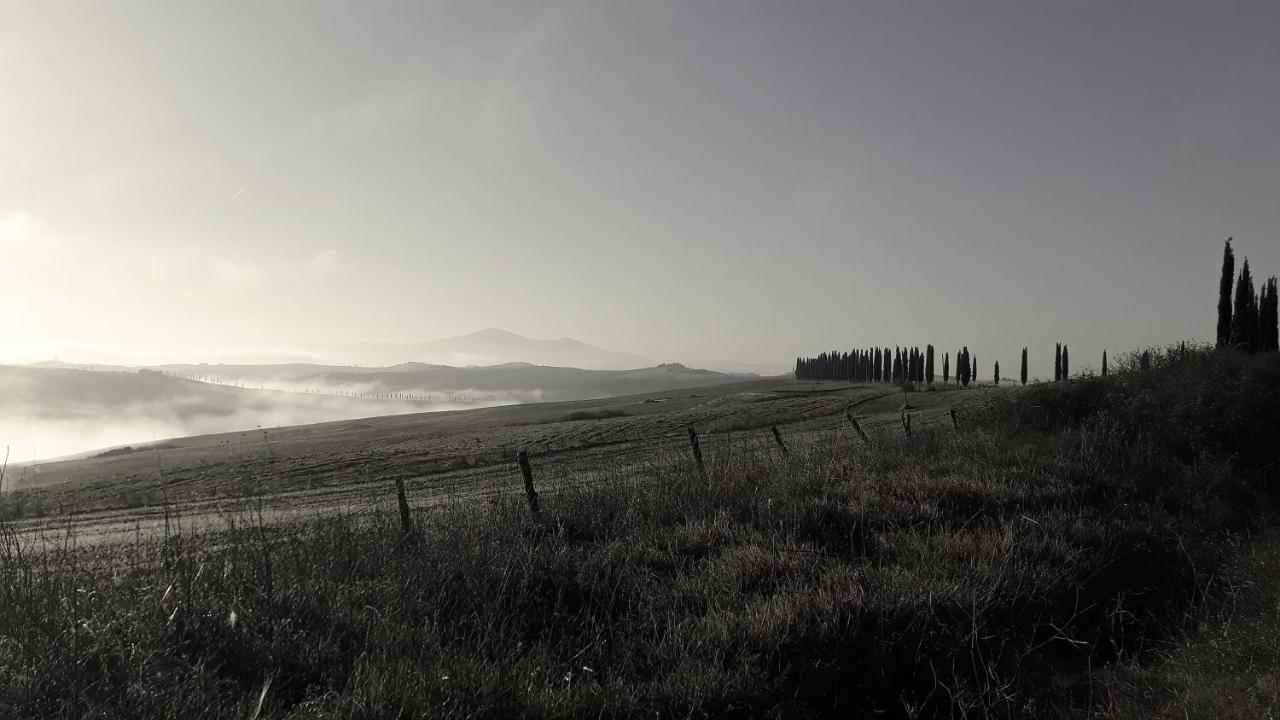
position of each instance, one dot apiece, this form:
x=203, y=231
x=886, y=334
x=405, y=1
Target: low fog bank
x=56, y=410
x=54, y=413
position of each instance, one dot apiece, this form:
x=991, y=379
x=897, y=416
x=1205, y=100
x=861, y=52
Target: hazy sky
x=731, y=180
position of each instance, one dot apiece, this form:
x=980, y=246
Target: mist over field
x=57, y=410
x=52, y=413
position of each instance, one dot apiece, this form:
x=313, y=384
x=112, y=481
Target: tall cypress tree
x=962, y=366
x=1268, y=327
x=973, y=369
x=1057, y=362
x=1065, y=365
x=1104, y=363
x=1023, y=374
x=928, y=365
x=1224, y=295
x=1244, y=315
x=946, y=368
x=997, y=373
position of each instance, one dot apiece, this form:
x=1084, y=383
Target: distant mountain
x=489, y=347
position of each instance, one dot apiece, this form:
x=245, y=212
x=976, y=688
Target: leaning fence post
x=777, y=435
x=955, y=422
x=906, y=423
x=406, y=522
x=854, y=421
x=697, y=449
x=522, y=458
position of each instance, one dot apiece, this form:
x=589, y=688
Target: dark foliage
x=1224, y=295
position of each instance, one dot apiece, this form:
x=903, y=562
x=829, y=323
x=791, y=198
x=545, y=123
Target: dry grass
x=987, y=573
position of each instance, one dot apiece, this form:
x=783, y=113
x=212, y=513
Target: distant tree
x=1023, y=374
x=997, y=373
x=962, y=367
x=1244, y=315
x=928, y=364
x=973, y=369
x=1104, y=363
x=946, y=368
x=1057, y=362
x=1065, y=364
x=1224, y=295
x=1144, y=362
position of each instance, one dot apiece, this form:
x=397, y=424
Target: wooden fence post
x=522, y=458
x=697, y=449
x=406, y=522
x=955, y=422
x=906, y=423
x=777, y=435
x=854, y=421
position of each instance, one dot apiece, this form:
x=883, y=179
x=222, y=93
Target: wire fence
x=558, y=468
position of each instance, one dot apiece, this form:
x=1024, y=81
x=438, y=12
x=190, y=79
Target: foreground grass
x=981, y=573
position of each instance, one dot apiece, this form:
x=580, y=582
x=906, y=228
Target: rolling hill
x=56, y=411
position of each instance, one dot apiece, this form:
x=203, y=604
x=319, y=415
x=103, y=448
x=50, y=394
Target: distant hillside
x=63, y=411
x=490, y=347
x=522, y=382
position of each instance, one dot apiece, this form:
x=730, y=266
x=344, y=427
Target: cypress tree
x=973, y=369
x=1224, y=295
x=1065, y=365
x=1104, y=363
x=1023, y=374
x=997, y=373
x=962, y=366
x=1057, y=362
x=1244, y=315
x=1268, y=320
x=928, y=365
x=946, y=368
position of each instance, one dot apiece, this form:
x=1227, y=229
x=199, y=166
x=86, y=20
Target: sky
x=741, y=180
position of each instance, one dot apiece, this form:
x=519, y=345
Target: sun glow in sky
x=733, y=180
